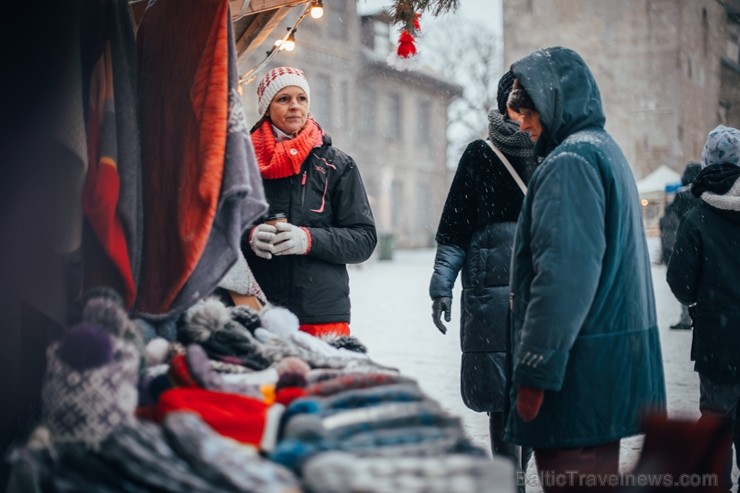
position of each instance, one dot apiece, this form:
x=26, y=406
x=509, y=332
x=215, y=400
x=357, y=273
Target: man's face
x=531, y=123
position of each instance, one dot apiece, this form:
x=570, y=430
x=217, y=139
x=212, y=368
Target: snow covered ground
x=391, y=315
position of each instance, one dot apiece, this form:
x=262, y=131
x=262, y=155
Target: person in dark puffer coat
x=475, y=234
x=682, y=203
x=704, y=273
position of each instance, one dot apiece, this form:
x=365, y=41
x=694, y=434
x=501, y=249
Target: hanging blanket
x=111, y=194
x=200, y=192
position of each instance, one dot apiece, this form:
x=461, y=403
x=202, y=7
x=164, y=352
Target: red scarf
x=281, y=159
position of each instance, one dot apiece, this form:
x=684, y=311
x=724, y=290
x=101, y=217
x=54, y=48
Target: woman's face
x=288, y=110
x=531, y=123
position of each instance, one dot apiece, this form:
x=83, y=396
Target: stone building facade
x=668, y=70
x=393, y=123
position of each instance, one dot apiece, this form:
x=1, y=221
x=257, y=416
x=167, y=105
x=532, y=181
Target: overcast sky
x=481, y=10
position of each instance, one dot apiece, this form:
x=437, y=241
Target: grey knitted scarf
x=506, y=135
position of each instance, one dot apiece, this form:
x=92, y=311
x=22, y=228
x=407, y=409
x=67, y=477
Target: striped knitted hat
x=275, y=80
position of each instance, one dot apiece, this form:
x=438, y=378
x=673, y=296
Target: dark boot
x=496, y=432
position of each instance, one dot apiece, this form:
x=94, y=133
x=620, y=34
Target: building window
x=344, y=106
x=705, y=29
x=397, y=204
x=339, y=20
x=423, y=121
x=395, y=117
x=368, y=110
x=321, y=103
x=381, y=38
x=423, y=206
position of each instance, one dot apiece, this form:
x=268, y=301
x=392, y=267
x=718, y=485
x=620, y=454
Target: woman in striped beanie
x=320, y=218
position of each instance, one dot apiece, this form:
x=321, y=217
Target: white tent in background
x=655, y=182
x=652, y=191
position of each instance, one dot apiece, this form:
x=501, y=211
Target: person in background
x=683, y=202
x=704, y=273
x=475, y=235
x=320, y=218
x=586, y=356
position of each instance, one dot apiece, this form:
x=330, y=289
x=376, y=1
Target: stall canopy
x=655, y=183
x=253, y=20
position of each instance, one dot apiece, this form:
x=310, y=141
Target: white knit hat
x=274, y=81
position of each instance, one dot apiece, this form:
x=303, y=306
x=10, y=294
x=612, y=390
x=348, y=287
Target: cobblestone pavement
x=391, y=314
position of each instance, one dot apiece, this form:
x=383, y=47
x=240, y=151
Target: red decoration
x=406, y=46
x=405, y=57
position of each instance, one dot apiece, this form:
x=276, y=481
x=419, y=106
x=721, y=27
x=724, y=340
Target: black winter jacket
x=476, y=234
x=682, y=203
x=704, y=271
x=329, y=198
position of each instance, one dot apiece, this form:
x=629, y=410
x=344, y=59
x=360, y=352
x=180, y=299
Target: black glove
x=441, y=305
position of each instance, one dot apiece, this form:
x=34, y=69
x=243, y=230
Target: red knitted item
x=288, y=394
x=180, y=373
x=282, y=159
x=333, y=328
x=236, y=416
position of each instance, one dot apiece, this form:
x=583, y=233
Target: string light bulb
x=317, y=9
x=289, y=44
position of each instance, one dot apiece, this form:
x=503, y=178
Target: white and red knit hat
x=274, y=81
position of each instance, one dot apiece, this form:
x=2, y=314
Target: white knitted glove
x=261, y=240
x=290, y=240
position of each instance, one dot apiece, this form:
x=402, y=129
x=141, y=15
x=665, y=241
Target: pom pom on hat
x=278, y=320
x=203, y=318
x=275, y=80
x=292, y=364
x=156, y=351
x=90, y=386
x=86, y=346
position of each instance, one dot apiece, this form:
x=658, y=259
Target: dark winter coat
x=584, y=326
x=327, y=197
x=683, y=202
x=476, y=233
x=704, y=271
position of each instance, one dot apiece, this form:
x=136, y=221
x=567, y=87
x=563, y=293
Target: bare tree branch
x=468, y=53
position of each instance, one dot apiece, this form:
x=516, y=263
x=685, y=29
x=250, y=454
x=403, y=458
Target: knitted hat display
x=246, y=317
x=90, y=387
x=722, y=147
x=411, y=441
x=141, y=451
x=291, y=383
x=209, y=323
x=349, y=381
x=225, y=463
x=337, y=472
x=344, y=424
x=276, y=348
x=350, y=343
x=279, y=320
x=275, y=80
x=356, y=398
x=242, y=418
